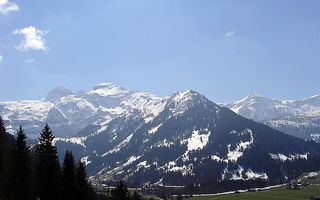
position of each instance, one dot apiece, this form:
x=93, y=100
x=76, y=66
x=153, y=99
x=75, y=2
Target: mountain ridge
x=299, y=118
x=175, y=140
x=72, y=112
x=179, y=145
x=69, y=112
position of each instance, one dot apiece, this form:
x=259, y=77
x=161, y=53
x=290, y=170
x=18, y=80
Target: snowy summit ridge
x=123, y=134
x=68, y=113
x=300, y=118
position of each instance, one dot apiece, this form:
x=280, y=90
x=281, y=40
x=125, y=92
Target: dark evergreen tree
x=179, y=197
x=136, y=196
x=2, y=159
x=103, y=197
x=20, y=173
x=68, y=177
x=84, y=190
x=5, y=149
x=47, y=167
x=121, y=192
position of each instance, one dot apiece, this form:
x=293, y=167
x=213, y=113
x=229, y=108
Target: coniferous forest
x=34, y=172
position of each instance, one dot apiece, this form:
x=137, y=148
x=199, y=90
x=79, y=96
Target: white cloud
x=29, y=60
x=229, y=34
x=6, y=6
x=0, y=59
x=32, y=39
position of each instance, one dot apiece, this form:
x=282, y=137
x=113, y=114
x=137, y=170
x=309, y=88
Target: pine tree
x=68, y=176
x=47, y=167
x=121, y=192
x=5, y=149
x=81, y=181
x=136, y=196
x=179, y=197
x=84, y=189
x=20, y=173
x=2, y=160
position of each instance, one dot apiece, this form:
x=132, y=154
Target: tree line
x=34, y=172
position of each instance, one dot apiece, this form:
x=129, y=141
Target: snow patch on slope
x=118, y=170
x=197, y=141
x=154, y=129
x=290, y=157
x=119, y=146
x=241, y=174
x=233, y=155
x=73, y=140
x=315, y=137
x=172, y=167
x=85, y=160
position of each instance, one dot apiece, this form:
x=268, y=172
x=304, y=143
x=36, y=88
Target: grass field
x=152, y=196
x=304, y=193
x=276, y=194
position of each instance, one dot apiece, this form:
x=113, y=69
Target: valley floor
x=307, y=187
x=275, y=194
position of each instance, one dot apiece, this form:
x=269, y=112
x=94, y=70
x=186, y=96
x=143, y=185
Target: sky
x=222, y=49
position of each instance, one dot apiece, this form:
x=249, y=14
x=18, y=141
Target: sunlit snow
x=233, y=155
x=85, y=160
x=154, y=129
x=290, y=157
x=242, y=174
x=197, y=141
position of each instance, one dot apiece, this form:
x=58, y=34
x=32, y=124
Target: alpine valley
x=180, y=140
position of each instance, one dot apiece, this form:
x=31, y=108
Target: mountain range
x=300, y=118
x=182, y=139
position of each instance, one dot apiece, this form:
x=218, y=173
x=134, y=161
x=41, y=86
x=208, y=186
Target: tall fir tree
x=179, y=197
x=68, y=177
x=20, y=172
x=121, y=192
x=84, y=189
x=2, y=160
x=5, y=150
x=47, y=167
x=136, y=196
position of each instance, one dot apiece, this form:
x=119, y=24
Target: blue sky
x=222, y=49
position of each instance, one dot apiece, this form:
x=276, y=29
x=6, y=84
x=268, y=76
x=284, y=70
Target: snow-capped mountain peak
x=262, y=108
x=179, y=102
x=109, y=89
x=126, y=134
x=252, y=99
x=190, y=136
x=295, y=117
x=253, y=96
x=312, y=101
x=255, y=107
x=187, y=97
x=68, y=113
x=105, y=84
x=57, y=93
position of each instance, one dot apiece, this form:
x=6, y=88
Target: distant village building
x=312, y=175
